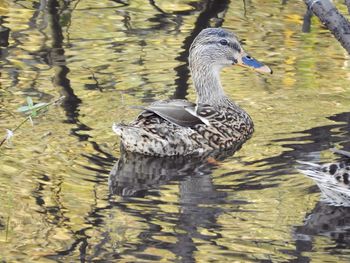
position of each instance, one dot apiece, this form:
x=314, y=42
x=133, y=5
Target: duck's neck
x=206, y=79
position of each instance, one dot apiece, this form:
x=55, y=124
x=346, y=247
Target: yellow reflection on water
x=54, y=183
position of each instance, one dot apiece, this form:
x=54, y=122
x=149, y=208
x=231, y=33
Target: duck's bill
x=252, y=63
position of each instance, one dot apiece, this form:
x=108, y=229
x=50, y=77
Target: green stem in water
x=29, y=117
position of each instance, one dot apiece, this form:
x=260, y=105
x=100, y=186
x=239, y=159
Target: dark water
x=67, y=194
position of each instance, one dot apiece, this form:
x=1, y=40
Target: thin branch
x=307, y=21
x=153, y=3
x=7, y=228
x=28, y=118
x=347, y=3
x=97, y=84
x=332, y=19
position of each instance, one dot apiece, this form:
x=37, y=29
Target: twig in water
x=94, y=78
x=33, y=110
x=7, y=228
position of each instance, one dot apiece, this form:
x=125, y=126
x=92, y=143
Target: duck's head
x=218, y=48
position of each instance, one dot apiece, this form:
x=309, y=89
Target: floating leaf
x=23, y=109
x=29, y=102
x=39, y=105
x=32, y=109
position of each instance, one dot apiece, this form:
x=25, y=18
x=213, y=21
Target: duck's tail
x=313, y=170
x=136, y=139
x=118, y=128
x=334, y=192
x=315, y=165
x=131, y=134
x=157, y=143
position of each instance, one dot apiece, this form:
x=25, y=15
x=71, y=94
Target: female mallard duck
x=214, y=123
x=333, y=179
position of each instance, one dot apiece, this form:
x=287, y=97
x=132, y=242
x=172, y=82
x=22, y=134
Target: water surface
x=58, y=199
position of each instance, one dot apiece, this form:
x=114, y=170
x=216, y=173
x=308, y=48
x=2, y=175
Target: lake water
x=61, y=199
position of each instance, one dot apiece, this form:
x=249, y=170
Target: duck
x=214, y=123
x=333, y=179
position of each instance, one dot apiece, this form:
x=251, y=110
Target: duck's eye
x=224, y=42
x=249, y=57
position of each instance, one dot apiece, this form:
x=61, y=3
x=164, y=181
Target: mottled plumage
x=214, y=123
x=333, y=179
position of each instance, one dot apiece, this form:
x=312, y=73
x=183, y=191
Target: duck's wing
x=179, y=112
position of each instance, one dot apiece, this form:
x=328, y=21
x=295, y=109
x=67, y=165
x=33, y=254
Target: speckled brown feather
x=228, y=128
x=180, y=127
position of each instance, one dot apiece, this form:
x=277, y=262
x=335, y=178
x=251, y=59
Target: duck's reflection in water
x=324, y=220
x=133, y=174
x=331, y=216
x=199, y=203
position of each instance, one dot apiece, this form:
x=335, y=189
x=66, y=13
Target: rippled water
x=58, y=201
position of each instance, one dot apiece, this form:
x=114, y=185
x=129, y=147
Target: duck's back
x=179, y=127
